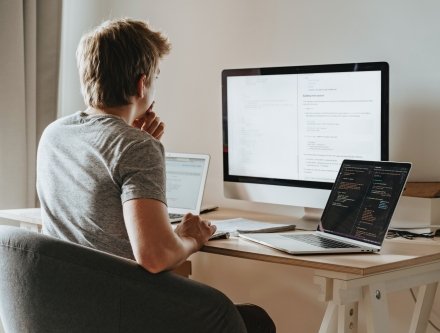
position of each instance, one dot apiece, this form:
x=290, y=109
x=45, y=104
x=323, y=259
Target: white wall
x=209, y=36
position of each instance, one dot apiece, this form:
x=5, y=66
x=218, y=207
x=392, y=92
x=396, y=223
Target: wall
x=13, y=162
x=209, y=36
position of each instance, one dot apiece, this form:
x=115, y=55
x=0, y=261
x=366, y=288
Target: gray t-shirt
x=87, y=167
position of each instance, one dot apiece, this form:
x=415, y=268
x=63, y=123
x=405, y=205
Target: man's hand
x=150, y=123
x=192, y=226
x=156, y=246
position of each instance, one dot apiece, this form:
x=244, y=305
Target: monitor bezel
x=383, y=67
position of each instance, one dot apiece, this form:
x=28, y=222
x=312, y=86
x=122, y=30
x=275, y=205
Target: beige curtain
x=29, y=57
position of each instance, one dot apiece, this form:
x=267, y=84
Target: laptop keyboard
x=319, y=241
x=175, y=216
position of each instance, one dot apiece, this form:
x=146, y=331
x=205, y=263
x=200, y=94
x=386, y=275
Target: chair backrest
x=50, y=285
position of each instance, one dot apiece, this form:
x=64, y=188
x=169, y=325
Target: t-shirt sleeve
x=142, y=172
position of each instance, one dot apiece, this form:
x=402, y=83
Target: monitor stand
x=310, y=219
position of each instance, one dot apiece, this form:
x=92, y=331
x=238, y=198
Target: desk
x=344, y=280
x=29, y=218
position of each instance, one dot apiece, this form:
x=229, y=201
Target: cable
x=407, y=234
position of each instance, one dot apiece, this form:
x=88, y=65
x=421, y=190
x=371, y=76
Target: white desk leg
x=329, y=323
x=422, y=310
x=376, y=308
x=341, y=314
x=348, y=318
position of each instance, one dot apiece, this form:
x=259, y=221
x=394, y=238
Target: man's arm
x=156, y=247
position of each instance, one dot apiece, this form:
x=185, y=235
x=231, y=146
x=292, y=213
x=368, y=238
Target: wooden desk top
x=396, y=253
x=28, y=215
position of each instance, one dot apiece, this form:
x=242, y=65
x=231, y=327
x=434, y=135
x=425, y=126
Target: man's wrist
x=193, y=244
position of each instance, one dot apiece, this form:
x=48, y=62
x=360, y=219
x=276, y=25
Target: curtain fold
x=30, y=39
x=30, y=94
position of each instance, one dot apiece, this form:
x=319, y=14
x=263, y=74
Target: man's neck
x=126, y=112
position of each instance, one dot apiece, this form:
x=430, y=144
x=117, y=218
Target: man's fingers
x=148, y=119
x=212, y=227
x=151, y=124
x=159, y=131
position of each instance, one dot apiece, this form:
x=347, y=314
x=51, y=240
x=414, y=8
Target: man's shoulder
x=70, y=119
x=121, y=138
x=106, y=131
x=129, y=135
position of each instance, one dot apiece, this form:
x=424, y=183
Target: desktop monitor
x=286, y=130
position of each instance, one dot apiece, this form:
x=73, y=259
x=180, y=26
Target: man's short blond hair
x=113, y=57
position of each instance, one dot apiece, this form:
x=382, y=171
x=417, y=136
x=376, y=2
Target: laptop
x=185, y=183
x=357, y=214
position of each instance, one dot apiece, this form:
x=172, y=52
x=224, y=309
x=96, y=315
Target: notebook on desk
x=357, y=214
x=185, y=183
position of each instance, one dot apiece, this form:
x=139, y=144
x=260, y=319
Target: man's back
x=87, y=167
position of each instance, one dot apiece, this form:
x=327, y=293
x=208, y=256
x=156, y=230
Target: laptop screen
x=363, y=200
x=185, y=181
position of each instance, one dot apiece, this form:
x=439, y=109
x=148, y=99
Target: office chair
x=50, y=285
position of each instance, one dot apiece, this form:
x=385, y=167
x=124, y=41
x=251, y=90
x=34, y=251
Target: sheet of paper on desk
x=241, y=225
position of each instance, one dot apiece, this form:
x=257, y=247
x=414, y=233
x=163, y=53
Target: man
x=101, y=172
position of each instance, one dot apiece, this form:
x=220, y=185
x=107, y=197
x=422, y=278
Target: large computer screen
x=286, y=130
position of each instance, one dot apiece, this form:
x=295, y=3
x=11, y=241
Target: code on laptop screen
x=363, y=199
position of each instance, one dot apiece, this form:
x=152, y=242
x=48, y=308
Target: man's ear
x=141, y=85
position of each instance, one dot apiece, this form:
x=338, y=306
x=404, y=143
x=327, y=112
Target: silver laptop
x=185, y=183
x=357, y=214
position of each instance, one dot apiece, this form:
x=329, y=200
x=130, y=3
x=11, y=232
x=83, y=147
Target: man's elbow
x=153, y=269
x=153, y=265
